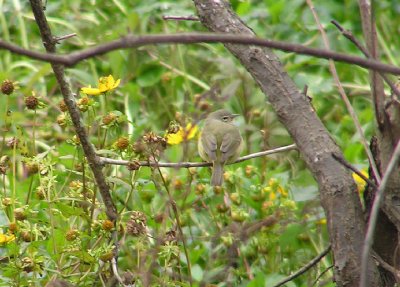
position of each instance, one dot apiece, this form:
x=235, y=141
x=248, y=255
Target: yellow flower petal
x=359, y=181
x=116, y=84
x=108, y=83
x=105, y=84
x=91, y=91
x=191, y=131
x=176, y=138
x=4, y=238
x=188, y=133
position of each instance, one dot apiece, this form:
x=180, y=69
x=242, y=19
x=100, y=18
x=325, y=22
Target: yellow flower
x=183, y=134
x=4, y=238
x=359, y=181
x=272, y=196
x=282, y=191
x=105, y=84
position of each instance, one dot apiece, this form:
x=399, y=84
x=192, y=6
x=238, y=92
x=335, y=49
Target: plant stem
x=178, y=222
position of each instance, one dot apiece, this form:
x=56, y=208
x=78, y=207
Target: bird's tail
x=217, y=177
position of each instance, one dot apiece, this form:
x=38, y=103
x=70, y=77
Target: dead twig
x=305, y=268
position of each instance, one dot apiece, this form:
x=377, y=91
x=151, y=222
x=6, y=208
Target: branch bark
x=385, y=203
x=105, y=160
x=132, y=41
x=337, y=188
x=50, y=44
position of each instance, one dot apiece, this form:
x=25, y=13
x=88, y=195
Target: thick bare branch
x=369, y=31
x=132, y=41
x=369, y=237
x=90, y=153
x=337, y=189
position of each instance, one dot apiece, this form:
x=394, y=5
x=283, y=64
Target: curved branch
x=305, y=268
x=131, y=41
x=105, y=160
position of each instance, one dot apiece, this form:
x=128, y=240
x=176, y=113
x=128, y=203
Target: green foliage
x=50, y=201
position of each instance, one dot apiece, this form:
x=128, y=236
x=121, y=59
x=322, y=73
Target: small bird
x=220, y=143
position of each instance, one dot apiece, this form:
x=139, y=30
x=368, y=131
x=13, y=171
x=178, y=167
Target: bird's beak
x=235, y=115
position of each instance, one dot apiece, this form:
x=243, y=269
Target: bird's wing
x=230, y=145
x=209, y=143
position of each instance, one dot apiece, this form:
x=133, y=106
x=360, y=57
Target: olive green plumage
x=220, y=143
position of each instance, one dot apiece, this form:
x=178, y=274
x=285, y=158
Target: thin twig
x=387, y=266
x=349, y=35
x=60, y=38
x=105, y=160
x=132, y=41
x=345, y=99
x=178, y=223
x=115, y=271
x=322, y=274
x=181, y=18
x=369, y=237
x=353, y=169
x=305, y=268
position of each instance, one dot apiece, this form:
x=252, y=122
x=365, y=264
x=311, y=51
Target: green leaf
x=56, y=243
x=258, y=281
x=150, y=76
x=289, y=237
x=197, y=272
x=83, y=256
x=68, y=210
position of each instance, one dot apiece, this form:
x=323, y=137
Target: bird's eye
x=225, y=118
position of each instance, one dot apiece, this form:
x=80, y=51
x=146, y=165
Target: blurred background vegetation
x=48, y=191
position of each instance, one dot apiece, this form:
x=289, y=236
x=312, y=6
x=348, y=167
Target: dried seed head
x=222, y=208
x=109, y=118
x=27, y=264
x=3, y=169
x=31, y=102
x=170, y=237
x=20, y=214
x=6, y=201
x=75, y=185
x=139, y=147
x=13, y=227
x=133, y=165
x=122, y=143
x=63, y=106
x=83, y=104
x=136, y=225
x=7, y=87
x=204, y=105
x=40, y=192
x=62, y=120
x=72, y=234
x=31, y=168
x=107, y=225
x=249, y=170
x=11, y=142
x=200, y=188
x=27, y=236
x=154, y=142
x=178, y=184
